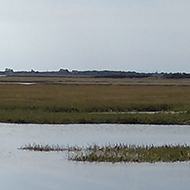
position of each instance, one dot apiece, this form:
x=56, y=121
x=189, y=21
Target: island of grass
x=120, y=153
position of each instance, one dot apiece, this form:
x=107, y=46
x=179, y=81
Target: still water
x=25, y=170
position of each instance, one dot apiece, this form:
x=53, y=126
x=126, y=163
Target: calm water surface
x=52, y=171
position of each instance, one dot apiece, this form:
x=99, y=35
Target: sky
x=123, y=35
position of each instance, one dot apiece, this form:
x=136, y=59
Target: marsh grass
x=43, y=147
x=132, y=153
x=49, y=148
x=119, y=152
x=39, y=116
x=84, y=80
x=50, y=103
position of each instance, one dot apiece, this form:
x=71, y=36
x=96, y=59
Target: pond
x=52, y=171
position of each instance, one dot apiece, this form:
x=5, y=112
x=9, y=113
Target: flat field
x=92, y=100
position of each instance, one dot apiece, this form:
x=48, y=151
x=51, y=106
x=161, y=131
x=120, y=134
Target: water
x=52, y=171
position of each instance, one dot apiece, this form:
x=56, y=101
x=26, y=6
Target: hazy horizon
x=132, y=35
x=109, y=70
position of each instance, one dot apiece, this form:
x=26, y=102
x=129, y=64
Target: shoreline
x=145, y=119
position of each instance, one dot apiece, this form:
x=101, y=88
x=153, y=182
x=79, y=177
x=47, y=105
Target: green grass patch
x=119, y=152
x=41, y=116
x=132, y=153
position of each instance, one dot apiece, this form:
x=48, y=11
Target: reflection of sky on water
x=51, y=170
x=19, y=135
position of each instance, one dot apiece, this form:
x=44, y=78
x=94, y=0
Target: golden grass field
x=91, y=100
x=91, y=80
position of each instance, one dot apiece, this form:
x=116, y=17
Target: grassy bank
x=40, y=116
x=120, y=153
x=51, y=103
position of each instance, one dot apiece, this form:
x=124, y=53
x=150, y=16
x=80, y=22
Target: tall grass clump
x=132, y=153
x=118, y=152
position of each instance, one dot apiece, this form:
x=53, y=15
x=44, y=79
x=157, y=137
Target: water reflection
x=36, y=170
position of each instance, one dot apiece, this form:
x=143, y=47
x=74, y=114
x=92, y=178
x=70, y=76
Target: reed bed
x=119, y=152
x=132, y=153
x=44, y=147
x=40, y=147
x=51, y=103
x=49, y=148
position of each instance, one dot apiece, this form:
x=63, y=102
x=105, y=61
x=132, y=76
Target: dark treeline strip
x=94, y=73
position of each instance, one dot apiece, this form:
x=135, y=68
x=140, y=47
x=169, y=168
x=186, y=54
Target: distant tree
x=63, y=71
x=8, y=70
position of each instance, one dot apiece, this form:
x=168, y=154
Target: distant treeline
x=94, y=73
x=176, y=75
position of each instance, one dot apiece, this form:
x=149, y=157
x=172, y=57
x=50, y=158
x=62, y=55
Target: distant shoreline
x=93, y=73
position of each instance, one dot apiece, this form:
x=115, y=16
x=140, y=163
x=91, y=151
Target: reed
x=49, y=148
x=119, y=152
x=43, y=147
x=132, y=153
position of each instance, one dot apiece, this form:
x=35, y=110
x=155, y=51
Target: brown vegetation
x=94, y=103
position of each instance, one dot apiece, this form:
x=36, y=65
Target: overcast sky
x=129, y=35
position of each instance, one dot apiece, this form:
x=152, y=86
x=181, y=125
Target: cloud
x=119, y=35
